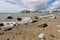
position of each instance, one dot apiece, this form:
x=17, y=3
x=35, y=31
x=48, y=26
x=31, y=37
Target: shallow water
x=23, y=14
x=4, y=15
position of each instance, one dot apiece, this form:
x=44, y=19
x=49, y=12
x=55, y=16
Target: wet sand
x=32, y=31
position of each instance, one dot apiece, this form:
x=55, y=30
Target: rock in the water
x=43, y=25
x=19, y=19
x=9, y=17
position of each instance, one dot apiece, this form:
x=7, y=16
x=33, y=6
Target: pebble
x=42, y=36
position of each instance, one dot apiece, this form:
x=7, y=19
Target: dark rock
x=19, y=19
x=9, y=17
x=34, y=21
x=14, y=24
x=43, y=25
x=1, y=24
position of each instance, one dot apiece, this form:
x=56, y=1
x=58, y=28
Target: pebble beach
x=31, y=30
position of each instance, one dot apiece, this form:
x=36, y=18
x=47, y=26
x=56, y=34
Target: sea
x=23, y=14
x=4, y=15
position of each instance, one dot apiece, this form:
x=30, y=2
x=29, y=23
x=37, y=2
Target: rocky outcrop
x=25, y=11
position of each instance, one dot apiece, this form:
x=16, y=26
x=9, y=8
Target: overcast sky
x=34, y=5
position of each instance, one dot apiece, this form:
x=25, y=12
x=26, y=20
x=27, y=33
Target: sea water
x=23, y=14
x=15, y=15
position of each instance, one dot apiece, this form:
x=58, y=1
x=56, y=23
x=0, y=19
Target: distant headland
x=28, y=11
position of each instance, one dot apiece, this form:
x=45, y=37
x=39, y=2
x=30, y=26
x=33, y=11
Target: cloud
x=7, y=7
x=36, y=4
x=55, y=5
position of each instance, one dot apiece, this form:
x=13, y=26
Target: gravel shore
x=31, y=31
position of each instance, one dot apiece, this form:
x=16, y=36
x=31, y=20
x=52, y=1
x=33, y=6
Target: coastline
x=31, y=31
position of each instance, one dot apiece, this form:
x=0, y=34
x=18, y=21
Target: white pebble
x=58, y=25
x=58, y=30
x=41, y=36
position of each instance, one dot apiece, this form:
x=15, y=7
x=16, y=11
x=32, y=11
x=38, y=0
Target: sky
x=15, y=6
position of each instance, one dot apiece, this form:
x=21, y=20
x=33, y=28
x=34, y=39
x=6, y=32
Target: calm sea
x=4, y=15
x=23, y=14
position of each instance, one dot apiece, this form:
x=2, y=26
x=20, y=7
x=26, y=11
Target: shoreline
x=31, y=31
